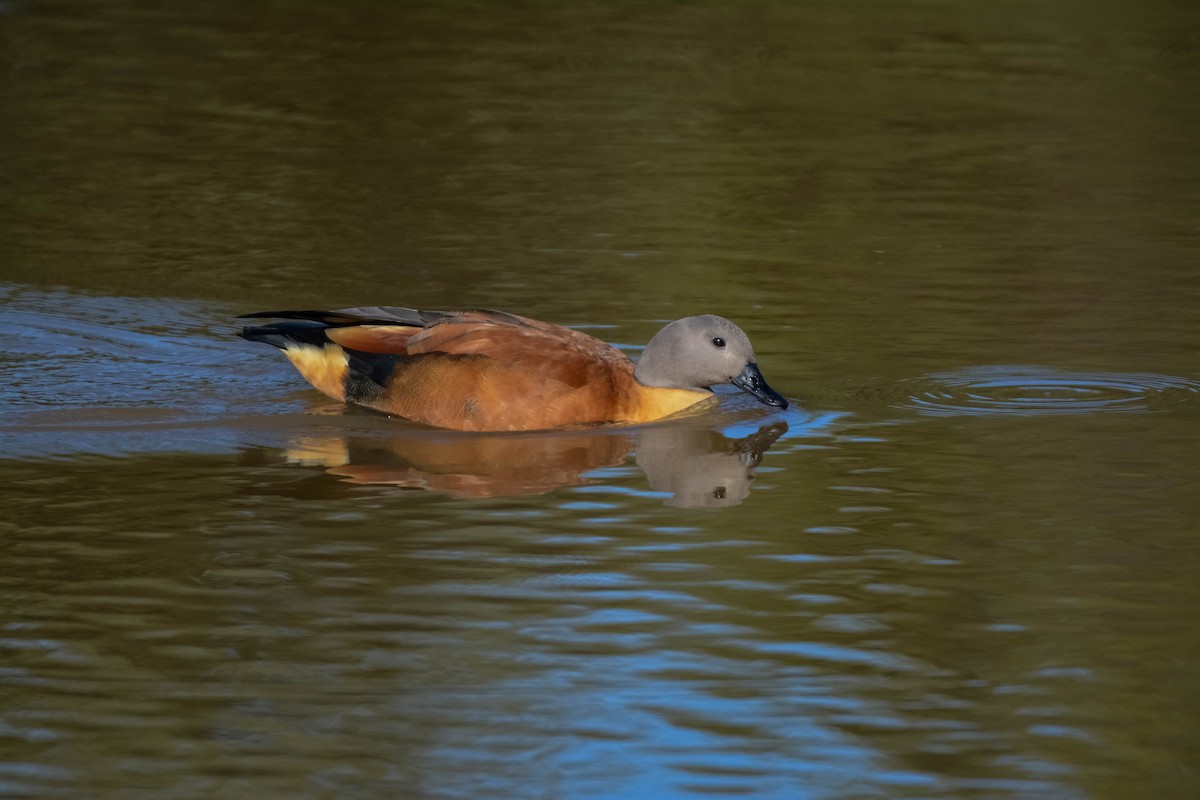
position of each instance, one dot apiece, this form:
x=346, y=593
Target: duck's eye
x=718, y=341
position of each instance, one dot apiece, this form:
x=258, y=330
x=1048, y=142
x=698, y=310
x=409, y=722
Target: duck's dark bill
x=750, y=380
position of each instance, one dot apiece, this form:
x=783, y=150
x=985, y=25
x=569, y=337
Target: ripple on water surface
x=1029, y=390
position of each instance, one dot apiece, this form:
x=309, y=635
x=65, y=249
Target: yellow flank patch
x=324, y=367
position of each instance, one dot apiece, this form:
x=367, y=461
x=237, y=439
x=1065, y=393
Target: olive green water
x=964, y=237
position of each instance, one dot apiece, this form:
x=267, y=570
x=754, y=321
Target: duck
x=483, y=370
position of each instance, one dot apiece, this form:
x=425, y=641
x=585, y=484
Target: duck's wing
x=361, y=315
x=554, y=353
x=368, y=329
x=536, y=348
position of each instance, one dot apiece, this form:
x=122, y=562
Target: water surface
x=962, y=238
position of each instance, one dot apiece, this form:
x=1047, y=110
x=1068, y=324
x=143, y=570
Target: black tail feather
x=281, y=334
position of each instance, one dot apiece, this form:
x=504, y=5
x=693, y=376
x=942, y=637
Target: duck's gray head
x=697, y=352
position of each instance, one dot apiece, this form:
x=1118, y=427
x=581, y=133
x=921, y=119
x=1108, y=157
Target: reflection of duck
x=479, y=370
x=700, y=467
x=696, y=465
x=476, y=465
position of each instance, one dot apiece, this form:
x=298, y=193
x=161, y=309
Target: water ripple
x=1031, y=390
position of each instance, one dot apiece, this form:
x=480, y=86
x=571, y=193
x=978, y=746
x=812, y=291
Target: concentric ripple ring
x=1028, y=390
